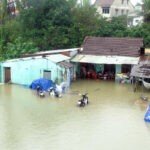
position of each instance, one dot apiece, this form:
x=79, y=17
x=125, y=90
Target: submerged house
x=53, y=64
x=107, y=57
x=55, y=67
x=0, y=74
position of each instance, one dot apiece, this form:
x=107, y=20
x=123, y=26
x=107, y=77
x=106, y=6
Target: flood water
x=113, y=120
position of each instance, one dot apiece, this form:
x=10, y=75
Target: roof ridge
x=104, y=2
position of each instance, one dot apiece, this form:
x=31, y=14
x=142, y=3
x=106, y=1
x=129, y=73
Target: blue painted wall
x=25, y=71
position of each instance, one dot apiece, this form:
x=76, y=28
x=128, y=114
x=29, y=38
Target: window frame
x=106, y=10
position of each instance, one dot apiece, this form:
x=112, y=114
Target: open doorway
x=109, y=68
x=126, y=69
x=109, y=71
x=7, y=74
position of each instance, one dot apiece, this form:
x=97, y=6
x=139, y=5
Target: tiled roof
x=112, y=46
x=104, y=3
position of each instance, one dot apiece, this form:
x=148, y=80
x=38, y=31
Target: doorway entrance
x=109, y=71
x=7, y=74
x=47, y=74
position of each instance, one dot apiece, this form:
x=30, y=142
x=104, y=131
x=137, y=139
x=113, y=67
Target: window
x=127, y=12
x=105, y=10
x=137, y=21
x=116, y=10
x=122, y=1
x=122, y=12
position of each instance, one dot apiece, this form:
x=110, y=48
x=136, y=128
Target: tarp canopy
x=44, y=84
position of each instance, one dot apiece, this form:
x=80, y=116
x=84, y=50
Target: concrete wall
x=99, y=67
x=123, y=9
x=118, y=69
x=25, y=71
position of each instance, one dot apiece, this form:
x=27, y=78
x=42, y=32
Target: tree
x=47, y=23
x=3, y=11
x=85, y=22
x=116, y=27
x=57, y=24
x=84, y=2
x=18, y=48
x=146, y=7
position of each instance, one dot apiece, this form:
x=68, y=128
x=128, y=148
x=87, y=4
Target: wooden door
x=7, y=74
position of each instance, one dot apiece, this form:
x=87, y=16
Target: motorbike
x=40, y=92
x=52, y=91
x=84, y=101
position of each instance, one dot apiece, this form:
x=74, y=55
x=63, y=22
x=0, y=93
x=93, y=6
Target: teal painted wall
x=99, y=67
x=25, y=71
x=118, y=69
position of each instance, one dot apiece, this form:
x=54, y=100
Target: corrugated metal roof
x=48, y=52
x=54, y=58
x=57, y=58
x=141, y=71
x=105, y=59
x=65, y=64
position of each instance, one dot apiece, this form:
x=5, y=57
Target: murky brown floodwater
x=112, y=121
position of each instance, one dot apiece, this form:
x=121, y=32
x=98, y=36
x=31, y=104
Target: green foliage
x=85, y=22
x=146, y=10
x=9, y=31
x=3, y=11
x=57, y=24
x=11, y=43
x=18, y=48
x=47, y=24
x=112, y=28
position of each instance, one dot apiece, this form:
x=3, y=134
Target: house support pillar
x=118, y=70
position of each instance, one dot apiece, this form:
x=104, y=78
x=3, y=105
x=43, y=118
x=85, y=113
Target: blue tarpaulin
x=147, y=115
x=44, y=84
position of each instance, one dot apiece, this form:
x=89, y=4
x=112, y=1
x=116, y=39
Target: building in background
x=114, y=8
x=11, y=7
x=136, y=18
